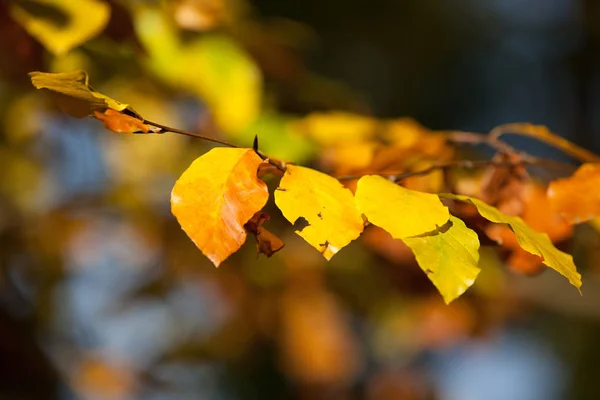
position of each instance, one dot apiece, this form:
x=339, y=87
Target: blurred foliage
x=104, y=297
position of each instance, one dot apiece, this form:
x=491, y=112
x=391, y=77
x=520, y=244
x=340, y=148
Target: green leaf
x=74, y=95
x=449, y=256
x=278, y=138
x=61, y=25
x=534, y=242
x=401, y=212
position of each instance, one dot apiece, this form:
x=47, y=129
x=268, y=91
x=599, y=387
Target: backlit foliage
x=374, y=174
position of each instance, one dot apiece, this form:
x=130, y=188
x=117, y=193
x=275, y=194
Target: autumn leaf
x=577, y=198
x=534, y=242
x=74, y=95
x=61, y=25
x=529, y=201
x=449, y=256
x=201, y=15
x=216, y=196
x=211, y=66
x=267, y=243
x=322, y=210
x=336, y=127
x=400, y=211
x=121, y=123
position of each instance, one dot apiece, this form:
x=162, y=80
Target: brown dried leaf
x=266, y=242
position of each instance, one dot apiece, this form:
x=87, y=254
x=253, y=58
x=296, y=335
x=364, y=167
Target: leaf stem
x=187, y=133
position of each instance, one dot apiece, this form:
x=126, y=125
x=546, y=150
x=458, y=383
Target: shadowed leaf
x=73, y=94
x=449, y=257
x=266, y=242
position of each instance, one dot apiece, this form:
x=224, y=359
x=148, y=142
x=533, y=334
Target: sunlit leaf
x=449, y=256
x=61, y=25
x=534, y=242
x=201, y=15
x=74, y=95
x=215, y=197
x=322, y=210
x=335, y=127
x=212, y=66
x=400, y=211
x=577, y=198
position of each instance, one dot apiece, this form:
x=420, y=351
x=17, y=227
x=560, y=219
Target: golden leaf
x=534, y=242
x=61, y=25
x=216, y=196
x=322, y=208
x=400, y=211
x=335, y=127
x=449, y=257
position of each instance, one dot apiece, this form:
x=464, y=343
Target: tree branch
x=165, y=128
x=465, y=164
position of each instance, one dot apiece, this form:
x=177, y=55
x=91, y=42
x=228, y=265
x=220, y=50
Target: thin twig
x=480, y=138
x=543, y=134
x=465, y=164
x=192, y=134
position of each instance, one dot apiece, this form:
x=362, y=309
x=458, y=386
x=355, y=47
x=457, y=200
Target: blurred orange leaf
x=322, y=208
x=121, y=123
x=577, y=198
x=216, y=196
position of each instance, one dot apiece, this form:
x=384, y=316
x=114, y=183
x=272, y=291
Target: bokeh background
x=102, y=296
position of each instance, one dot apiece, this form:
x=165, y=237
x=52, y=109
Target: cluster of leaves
x=220, y=197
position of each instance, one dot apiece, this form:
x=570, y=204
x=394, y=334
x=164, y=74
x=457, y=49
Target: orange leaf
x=266, y=242
x=577, y=198
x=121, y=123
x=216, y=196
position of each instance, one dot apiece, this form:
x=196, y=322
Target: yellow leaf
x=322, y=208
x=211, y=66
x=337, y=127
x=61, y=25
x=74, y=95
x=215, y=197
x=449, y=257
x=401, y=212
x=534, y=242
x=577, y=198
